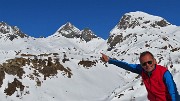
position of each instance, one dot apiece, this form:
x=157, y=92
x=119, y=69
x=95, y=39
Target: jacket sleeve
x=168, y=79
x=135, y=68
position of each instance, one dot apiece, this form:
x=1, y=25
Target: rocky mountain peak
x=144, y=20
x=87, y=34
x=4, y=28
x=138, y=22
x=69, y=31
x=10, y=32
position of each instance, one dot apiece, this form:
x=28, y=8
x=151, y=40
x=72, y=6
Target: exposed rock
x=87, y=63
x=87, y=35
x=10, y=32
x=69, y=31
x=12, y=87
x=127, y=22
x=46, y=67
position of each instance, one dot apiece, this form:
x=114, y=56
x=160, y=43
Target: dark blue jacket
x=136, y=68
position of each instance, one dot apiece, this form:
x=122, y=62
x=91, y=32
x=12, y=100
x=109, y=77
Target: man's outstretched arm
x=135, y=68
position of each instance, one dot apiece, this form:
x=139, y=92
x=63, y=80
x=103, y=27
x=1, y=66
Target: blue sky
x=43, y=17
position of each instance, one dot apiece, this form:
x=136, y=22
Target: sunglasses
x=144, y=64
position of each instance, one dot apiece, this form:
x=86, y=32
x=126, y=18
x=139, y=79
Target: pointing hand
x=104, y=58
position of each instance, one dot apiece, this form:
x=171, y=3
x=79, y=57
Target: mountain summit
x=70, y=31
x=133, y=19
x=133, y=23
x=11, y=33
x=87, y=34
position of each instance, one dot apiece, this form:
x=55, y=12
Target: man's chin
x=148, y=70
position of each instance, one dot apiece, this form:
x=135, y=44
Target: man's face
x=147, y=62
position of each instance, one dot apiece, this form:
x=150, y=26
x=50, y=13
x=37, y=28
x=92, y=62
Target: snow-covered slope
x=66, y=66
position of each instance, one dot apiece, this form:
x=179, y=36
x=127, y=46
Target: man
x=158, y=80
